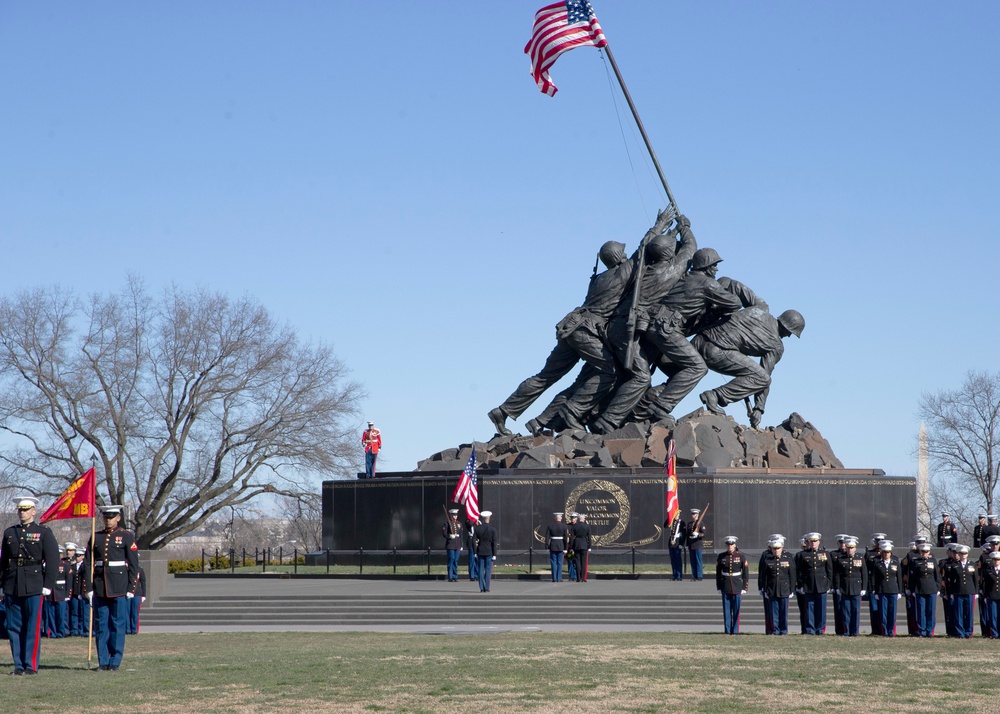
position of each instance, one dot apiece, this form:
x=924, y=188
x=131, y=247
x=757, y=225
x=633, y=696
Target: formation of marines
x=640, y=315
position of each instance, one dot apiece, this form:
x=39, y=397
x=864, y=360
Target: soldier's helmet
x=704, y=258
x=792, y=321
x=660, y=248
x=612, y=253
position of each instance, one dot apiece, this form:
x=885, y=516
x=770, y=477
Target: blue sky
x=387, y=178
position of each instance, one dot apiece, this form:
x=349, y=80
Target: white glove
x=143, y=599
x=494, y=557
x=761, y=593
x=46, y=592
x=898, y=596
x=90, y=597
x=863, y=593
x=129, y=595
x=800, y=591
x=743, y=593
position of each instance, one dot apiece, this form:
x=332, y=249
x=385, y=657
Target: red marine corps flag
x=77, y=501
x=673, y=505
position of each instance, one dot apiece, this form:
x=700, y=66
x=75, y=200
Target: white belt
x=60, y=582
x=110, y=564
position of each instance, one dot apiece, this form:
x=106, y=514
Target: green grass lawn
x=513, y=672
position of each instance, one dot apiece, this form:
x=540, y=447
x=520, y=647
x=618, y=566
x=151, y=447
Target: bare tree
x=963, y=434
x=187, y=404
x=304, y=515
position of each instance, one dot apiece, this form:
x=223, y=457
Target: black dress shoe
x=112, y=667
x=103, y=668
x=31, y=671
x=16, y=673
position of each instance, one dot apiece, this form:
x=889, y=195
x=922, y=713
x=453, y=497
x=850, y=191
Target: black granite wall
x=625, y=507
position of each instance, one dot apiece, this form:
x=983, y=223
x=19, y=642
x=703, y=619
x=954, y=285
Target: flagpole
x=642, y=129
x=90, y=571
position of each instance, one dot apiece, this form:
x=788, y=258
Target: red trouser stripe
x=38, y=635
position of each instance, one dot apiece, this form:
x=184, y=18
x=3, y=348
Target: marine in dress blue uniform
x=923, y=580
x=814, y=570
x=946, y=603
x=887, y=587
x=838, y=624
x=732, y=575
x=452, y=534
x=850, y=581
x=991, y=546
x=675, y=541
x=54, y=604
x=570, y=553
x=871, y=555
x=556, y=540
x=961, y=584
x=695, y=539
x=486, y=550
x=582, y=540
x=776, y=582
x=110, y=586
x=989, y=587
x=470, y=544
x=80, y=619
x=29, y=563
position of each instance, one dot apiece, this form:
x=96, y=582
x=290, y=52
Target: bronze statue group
x=662, y=308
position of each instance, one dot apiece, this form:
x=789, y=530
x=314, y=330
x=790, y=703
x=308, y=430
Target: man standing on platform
x=452, y=533
x=371, y=439
x=814, y=569
x=732, y=575
x=29, y=563
x=556, y=540
x=111, y=585
x=978, y=537
x=946, y=532
x=582, y=541
x=695, y=537
x=486, y=550
x=776, y=582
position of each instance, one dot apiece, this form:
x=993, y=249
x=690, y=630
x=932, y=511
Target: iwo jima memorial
x=651, y=328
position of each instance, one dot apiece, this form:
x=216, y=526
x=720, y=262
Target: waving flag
x=467, y=490
x=673, y=507
x=77, y=501
x=558, y=28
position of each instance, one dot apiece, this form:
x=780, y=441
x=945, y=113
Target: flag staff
x=642, y=129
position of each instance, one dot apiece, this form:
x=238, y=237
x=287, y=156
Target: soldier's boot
x=711, y=402
x=498, y=418
x=571, y=422
x=535, y=427
x=601, y=426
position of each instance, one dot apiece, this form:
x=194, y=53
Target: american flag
x=560, y=27
x=673, y=507
x=467, y=490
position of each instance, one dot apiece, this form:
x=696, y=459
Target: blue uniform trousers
x=485, y=572
x=962, y=615
x=984, y=617
x=731, y=613
x=473, y=565
x=838, y=614
x=873, y=612
x=814, y=613
x=925, y=610
x=572, y=567
x=133, y=615
x=677, y=563
x=370, y=460
x=110, y=623
x=62, y=617
x=993, y=612
x=453, y=556
x=850, y=614
x=776, y=615
x=556, y=561
x=49, y=626
x=949, y=619
x=24, y=628
x=887, y=614
x=696, y=570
